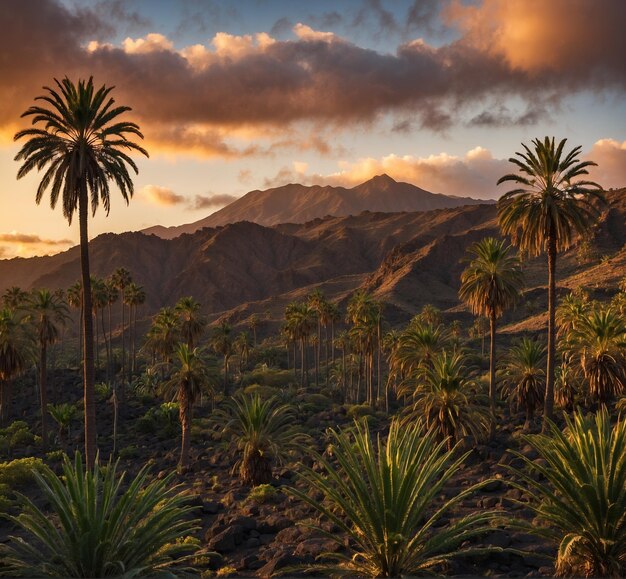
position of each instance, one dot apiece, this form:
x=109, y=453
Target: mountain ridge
x=297, y=203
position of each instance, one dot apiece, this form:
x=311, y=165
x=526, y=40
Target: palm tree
x=299, y=324
x=48, y=313
x=446, y=397
x=262, y=431
x=163, y=335
x=112, y=297
x=550, y=205
x=84, y=146
x=187, y=381
x=417, y=345
x=383, y=494
x=243, y=345
x=99, y=300
x=597, y=344
x=121, y=279
x=16, y=352
x=430, y=315
x=135, y=297
x=577, y=492
x=253, y=323
x=222, y=344
x=75, y=300
x=524, y=376
x=14, y=297
x=192, y=323
x=490, y=284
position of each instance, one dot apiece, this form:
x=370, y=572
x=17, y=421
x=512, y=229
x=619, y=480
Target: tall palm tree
x=163, y=335
x=189, y=378
x=300, y=319
x=48, y=314
x=75, y=300
x=243, y=344
x=135, y=297
x=112, y=297
x=192, y=322
x=490, y=284
x=253, y=323
x=99, y=300
x=83, y=146
x=121, y=279
x=550, y=205
x=16, y=352
x=222, y=344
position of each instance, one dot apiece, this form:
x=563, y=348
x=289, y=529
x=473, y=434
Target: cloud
x=210, y=201
x=31, y=239
x=610, y=155
x=192, y=99
x=161, y=196
x=472, y=175
x=16, y=244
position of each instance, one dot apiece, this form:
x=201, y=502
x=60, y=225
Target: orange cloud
x=161, y=196
x=610, y=155
x=16, y=244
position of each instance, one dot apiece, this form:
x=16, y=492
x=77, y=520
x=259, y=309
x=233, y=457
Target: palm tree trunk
x=96, y=340
x=492, y=370
x=225, y=375
x=185, y=423
x=43, y=399
x=104, y=336
x=110, y=363
x=548, y=410
x=5, y=399
x=88, y=367
x=318, y=353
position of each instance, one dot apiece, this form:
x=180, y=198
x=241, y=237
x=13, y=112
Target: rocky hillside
x=405, y=259
x=298, y=204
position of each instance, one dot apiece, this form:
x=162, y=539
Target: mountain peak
x=383, y=180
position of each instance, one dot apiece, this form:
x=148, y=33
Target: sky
x=237, y=95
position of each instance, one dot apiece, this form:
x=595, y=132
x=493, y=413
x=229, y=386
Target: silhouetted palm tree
x=83, y=145
x=188, y=379
x=121, y=279
x=544, y=213
x=192, y=322
x=16, y=352
x=222, y=344
x=48, y=313
x=135, y=297
x=490, y=284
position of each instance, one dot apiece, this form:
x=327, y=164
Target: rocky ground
x=247, y=536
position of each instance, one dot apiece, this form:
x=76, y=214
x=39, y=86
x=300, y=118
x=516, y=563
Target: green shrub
x=15, y=476
x=264, y=392
x=359, y=410
x=162, y=420
x=130, y=451
x=55, y=456
x=315, y=403
x=264, y=376
x=263, y=494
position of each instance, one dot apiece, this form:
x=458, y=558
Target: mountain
x=406, y=260
x=296, y=203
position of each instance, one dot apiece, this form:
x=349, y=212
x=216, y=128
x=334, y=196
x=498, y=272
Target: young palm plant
x=525, y=377
x=548, y=207
x=381, y=494
x=446, y=398
x=83, y=145
x=597, y=344
x=262, y=432
x=584, y=500
x=98, y=529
